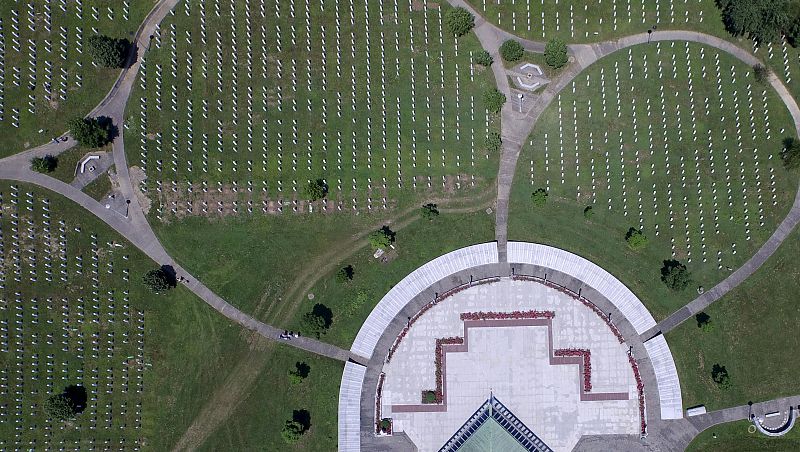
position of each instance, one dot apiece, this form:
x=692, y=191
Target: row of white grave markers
x=47, y=53
x=548, y=18
x=56, y=341
x=679, y=165
x=280, y=100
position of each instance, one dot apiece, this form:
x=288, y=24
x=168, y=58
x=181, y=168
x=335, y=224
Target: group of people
x=286, y=335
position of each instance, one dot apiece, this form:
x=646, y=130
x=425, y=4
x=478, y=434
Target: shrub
x=790, y=155
x=555, y=53
x=588, y=213
x=493, y=141
x=720, y=376
x=157, y=280
x=483, y=58
x=292, y=431
x=90, y=132
x=675, y=275
x=299, y=373
x=429, y=212
x=381, y=238
x=636, y=239
x=45, y=164
x=760, y=73
x=511, y=50
x=315, y=189
x=60, y=407
x=345, y=274
x=429, y=396
x=108, y=52
x=539, y=197
x=459, y=21
x=494, y=100
x=704, y=322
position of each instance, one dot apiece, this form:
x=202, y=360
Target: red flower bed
x=438, y=392
x=433, y=303
x=578, y=297
x=480, y=315
x=640, y=389
x=378, y=394
x=587, y=363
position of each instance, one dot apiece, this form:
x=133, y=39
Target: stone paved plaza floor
x=512, y=363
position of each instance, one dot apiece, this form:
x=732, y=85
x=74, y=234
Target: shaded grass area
x=99, y=187
x=753, y=335
x=257, y=422
x=734, y=437
x=351, y=302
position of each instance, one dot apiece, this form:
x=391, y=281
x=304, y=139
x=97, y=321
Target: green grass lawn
x=417, y=244
x=397, y=116
x=753, y=336
x=593, y=21
x=75, y=85
x=646, y=152
x=99, y=187
x=735, y=437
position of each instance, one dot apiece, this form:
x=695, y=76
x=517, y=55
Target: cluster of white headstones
x=274, y=116
x=742, y=178
x=46, y=337
x=593, y=19
x=32, y=27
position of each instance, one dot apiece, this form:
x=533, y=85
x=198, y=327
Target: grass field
x=638, y=138
x=593, y=20
x=57, y=333
x=45, y=76
x=734, y=437
x=372, y=97
x=752, y=336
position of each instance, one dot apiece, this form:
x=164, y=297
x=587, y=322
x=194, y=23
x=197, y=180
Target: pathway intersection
x=516, y=127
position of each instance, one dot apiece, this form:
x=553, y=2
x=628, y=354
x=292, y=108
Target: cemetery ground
x=713, y=195
x=46, y=73
x=751, y=333
x=735, y=437
x=88, y=332
x=385, y=115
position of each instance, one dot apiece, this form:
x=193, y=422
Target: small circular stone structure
x=468, y=349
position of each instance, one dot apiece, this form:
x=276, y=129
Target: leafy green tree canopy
x=493, y=141
x=45, y=164
x=555, y=53
x=459, y=21
x=381, y=238
x=675, y=275
x=108, y=52
x=494, y=100
x=511, y=50
x=157, y=280
x=483, y=58
x=429, y=212
x=315, y=189
x=60, y=407
x=636, y=239
x=539, y=197
x=761, y=20
x=90, y=132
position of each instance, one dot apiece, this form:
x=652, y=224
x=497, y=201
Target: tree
x=511, y=50
x=720, y=376
x=539, y=197
x=45, y=164
x=704, y=322
x=381, y=238
x=157, y=280
x=315, y=189
x=429, y=212
x=90, y=132
x=588, y=213
x=299, y=373
x=483, y=58
x=318, y=320
x=60, y=407
x=345, y=274
x=675, y=275
x=636, y=239
x=292, y=431
x=108, y=52
x=555, y=53
x=760, y=20
x=790, y=155
x=493, y=141
x=459, y=21
x=760, y=73
x=494, y=100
